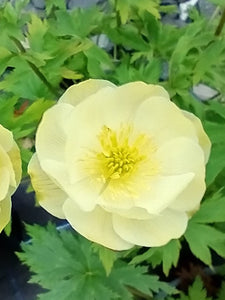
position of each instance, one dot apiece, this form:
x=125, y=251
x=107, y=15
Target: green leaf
x=23, y=82
x=106, y=256
x=215, y=131
x=66, y=265
x=7, y=103
x=135, y=277
x=208, y=58
x=51, y=4
x=77, y=23
x=8, y=228
x=152, y=6
x=26, y=123
x=196, y=292
x=128, y=36
x=201, y=238
x=221, y=292
x=212, y=210
x=218, y=2
x=123, y=7
x=37, y=30
x=98, y=62
x=5, y=56
x=168, y=255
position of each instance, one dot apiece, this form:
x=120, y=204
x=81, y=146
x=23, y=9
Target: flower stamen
x=118, y=158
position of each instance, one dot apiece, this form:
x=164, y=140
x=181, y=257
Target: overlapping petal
x=154, y=232
x=49, y=195
x=10, y=173
x=95, y=225
x=5, y=212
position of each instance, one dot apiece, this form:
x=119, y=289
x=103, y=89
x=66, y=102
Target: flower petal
x=189, y=200
x=95, y=226
x=162, y=191
x=154, y=232
x=51, y=134
x=79, y=92
x=6, y=138
x=4, y=182
x=204, y=141
x=163, y=121
x=5, y=162
x=5, y=212
x=179, y=156
x=14, y=155
x=80, y=191
x=49, y=195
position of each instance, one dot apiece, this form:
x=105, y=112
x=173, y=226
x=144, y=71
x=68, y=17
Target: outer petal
x=162, y=191
x=51, y=134
x=6, y=138
x=14, y=155
x=183, y=155
x=189, y=200
x=49, y=195
x=82, y=191
x=79, y=92
x=153, y=232
x=95, y=226
x=4, y=182
x=179, y=156
x=51, y=141
x=163, y=121
x=5, y=212
x=5, y=162
x=202, y=136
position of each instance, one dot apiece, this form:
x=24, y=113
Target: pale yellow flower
x=10, y=173
x=124, y=165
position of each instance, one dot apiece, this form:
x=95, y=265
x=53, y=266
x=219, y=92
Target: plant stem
x=214, y=14
x=34, y=68
x=221, y=24
x=118, y=24
x=138, y=293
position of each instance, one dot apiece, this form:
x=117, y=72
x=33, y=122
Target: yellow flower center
x=118, y=158
x=122, y=164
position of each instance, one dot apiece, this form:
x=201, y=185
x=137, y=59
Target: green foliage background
x=40, y=56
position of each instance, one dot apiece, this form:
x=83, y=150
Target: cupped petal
x=48, y=194
x=14, y=155
x=79, y=92
x=204, y=140
x=162, y=191
x=6, y=138
x=5, y=212
x=131, y=213
x=189, y=200
x=82, y=191
x=179, y=156
x=154, y=232
x=52, y=132
x=4, y=182
x=163, y=121
x=5, y=162
x=95, y=226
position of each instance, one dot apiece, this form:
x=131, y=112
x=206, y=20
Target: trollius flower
x=124, y=165
x=10, y=173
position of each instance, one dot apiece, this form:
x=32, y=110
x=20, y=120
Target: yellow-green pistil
x=118, y=157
